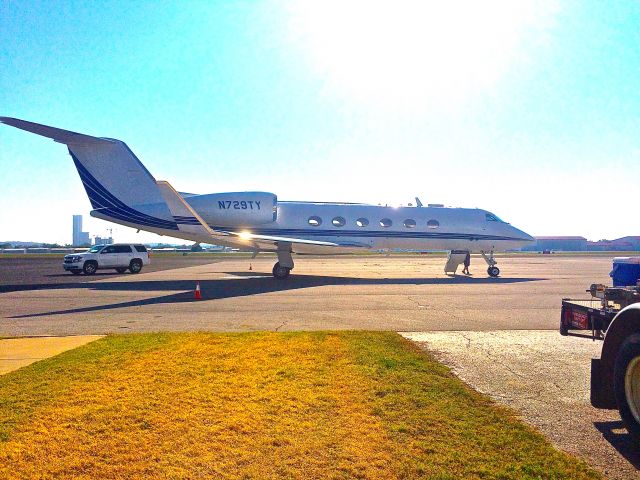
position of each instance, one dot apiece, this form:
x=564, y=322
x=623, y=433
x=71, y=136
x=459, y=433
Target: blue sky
x=530, y=110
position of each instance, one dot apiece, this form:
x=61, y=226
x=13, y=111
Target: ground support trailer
x=615, y=376
x=586, y=315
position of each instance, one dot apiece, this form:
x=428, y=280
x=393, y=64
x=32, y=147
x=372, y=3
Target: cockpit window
x=492, y=218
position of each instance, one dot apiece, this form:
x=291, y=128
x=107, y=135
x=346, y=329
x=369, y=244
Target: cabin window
x=362, y=222
x=385, y=222
x=410, y=223
x=315, y=221
x=338, y=221
x=491, y=217
x=433, y=224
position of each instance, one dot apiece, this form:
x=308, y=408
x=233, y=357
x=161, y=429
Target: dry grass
x=265, y=405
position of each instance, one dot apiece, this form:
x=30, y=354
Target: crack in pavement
x=467, y=339
x=417, y=302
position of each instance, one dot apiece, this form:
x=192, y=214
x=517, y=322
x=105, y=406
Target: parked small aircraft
x=121, y=190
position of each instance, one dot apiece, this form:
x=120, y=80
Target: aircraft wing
x=301, y=241
x=191, y=223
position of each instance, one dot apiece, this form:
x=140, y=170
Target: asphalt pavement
x=37, y=272
x=239, y=294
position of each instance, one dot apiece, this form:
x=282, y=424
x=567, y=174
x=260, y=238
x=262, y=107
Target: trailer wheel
x=564, y=322
x=626, y=383
x=564, y=331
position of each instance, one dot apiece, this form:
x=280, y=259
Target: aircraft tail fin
x=117, y=183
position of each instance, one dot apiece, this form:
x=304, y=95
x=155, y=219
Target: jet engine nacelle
x=236, y=208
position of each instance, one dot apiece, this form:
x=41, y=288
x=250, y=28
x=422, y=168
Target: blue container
x=626, y=271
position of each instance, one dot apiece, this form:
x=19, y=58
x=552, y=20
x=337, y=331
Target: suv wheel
x=90, y=267
x=135, y=266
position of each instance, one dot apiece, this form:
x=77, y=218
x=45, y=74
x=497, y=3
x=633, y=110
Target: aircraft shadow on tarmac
x=247, y=283
x=96, y=276
x=616, y=434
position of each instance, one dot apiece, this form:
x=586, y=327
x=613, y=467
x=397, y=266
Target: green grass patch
x=261, y=405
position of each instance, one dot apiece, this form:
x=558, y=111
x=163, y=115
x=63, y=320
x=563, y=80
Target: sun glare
x=413, y=51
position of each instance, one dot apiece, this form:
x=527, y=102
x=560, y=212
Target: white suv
x=119, y=256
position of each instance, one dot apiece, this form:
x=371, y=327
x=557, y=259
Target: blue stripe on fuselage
x=303, y=233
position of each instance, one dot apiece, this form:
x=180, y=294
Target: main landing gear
x=280, y=272
x=493, y=270
x=284, y=265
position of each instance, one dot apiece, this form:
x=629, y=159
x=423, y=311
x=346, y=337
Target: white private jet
x=122, y=190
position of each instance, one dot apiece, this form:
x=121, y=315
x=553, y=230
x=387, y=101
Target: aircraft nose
x=525, y=237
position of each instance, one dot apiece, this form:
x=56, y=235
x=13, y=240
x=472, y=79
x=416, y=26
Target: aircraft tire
x=280, y=272
x=493, y=271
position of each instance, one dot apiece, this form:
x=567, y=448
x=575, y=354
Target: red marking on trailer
x=580, y=320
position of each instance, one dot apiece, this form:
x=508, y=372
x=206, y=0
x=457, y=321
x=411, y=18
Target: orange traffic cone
x=198, y=295
x=250, y=267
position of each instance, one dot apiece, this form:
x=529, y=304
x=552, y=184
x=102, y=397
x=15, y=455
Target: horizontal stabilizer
x=57, y=134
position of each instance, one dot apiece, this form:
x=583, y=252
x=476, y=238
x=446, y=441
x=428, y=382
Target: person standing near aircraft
x=467, y=262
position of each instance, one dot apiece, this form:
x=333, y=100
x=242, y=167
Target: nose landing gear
x=493, y=270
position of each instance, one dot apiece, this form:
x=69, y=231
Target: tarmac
x=398, y=293
x=33, y=271
x=500, y=335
